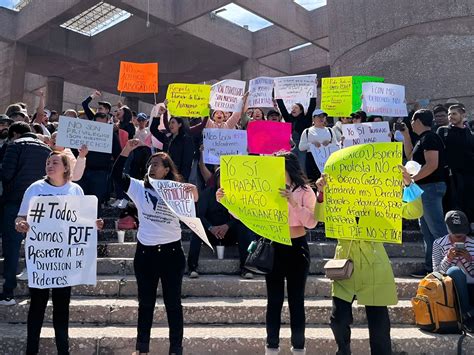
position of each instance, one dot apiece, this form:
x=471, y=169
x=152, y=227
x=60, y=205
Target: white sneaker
x=7, y=301
x=123, y=203
x=193, y=275
x=272, y=351
x=22, y=276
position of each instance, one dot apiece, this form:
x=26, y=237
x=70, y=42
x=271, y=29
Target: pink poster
x=267, y=137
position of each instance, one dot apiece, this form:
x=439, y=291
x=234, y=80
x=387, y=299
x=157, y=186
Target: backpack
x=434, y=305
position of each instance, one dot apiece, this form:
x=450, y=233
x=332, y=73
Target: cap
x=142, y=116
x=457, y=222
x=15, y=113
x=5, y=119
x=360, y=113
x=273, y=113
x=106, y=104
x=318, y=112
x=48, y=113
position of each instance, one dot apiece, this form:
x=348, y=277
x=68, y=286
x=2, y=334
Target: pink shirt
x=303, y=213
x=229, y=124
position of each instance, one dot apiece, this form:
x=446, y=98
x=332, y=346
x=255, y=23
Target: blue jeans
x=462, y=290
x=11, y=243
x=432, y=223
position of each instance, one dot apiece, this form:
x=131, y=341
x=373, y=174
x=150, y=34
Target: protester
x=56, y=183
x=22, y=165
x=440, y=117
x=290, y=262
x=375, y=118
x=41, y=116
x=273, y=115
x=124, y=116
x=104, y=106
x=159, y=253
x=429, y=153
x=453, y=255
x=78, y=164
x=338, y=127
x=359, y=117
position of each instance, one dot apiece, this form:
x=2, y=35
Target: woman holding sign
x=56, y=183
x=159, y=253
x=291, y=262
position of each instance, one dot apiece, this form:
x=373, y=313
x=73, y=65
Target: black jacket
x=300, y=122
x=23, y=164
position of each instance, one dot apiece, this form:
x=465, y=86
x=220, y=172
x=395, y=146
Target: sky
x=8, y=3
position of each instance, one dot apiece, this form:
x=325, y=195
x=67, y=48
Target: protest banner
x=340, y=96
x=251, y=185
x=188, y=100
x=268, y=137
x=138, y=77
x=73, y=133
x=321, y=154
x=295, y=89
x=61, y=244
x=226, y=95
x=367, y=132
x=260, y=92
x=181, y=203
x=363, y=196
x=384, y=99
x=218, y=142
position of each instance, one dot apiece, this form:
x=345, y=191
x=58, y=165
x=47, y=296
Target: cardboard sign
x=218, y=142
x=384, y=99
x=251, y=186
x=321, y=154
x=363, y=196
x=268, y=137
x=226, y=95
x=73, y=133
x=61, y=245
x=138, y=77
x=188, y=100
x=182, y=204
x=367, y=132
x=295, y=89
x=260, y=92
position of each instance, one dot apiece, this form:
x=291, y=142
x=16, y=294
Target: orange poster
x=138, y=77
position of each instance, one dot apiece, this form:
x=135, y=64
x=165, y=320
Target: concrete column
x=55, y=93
x=13, y=66
x=132, y=102
x=250, y=69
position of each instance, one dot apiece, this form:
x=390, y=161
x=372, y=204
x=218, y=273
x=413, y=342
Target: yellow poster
x=188, y=100
x=363, y=196
x=336, y=96
x=251, y=185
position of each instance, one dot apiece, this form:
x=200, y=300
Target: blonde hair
x=66, y=163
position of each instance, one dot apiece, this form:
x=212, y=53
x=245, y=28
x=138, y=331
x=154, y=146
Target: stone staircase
x=223, y=313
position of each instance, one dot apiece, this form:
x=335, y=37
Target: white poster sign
x=260, y=92
x=74, y=132
x=181, y=203
x=322, y=154
x=295, y=89
x=227, y=94
x=219, y=142
x=61, y=245
x=367, y=132
x=384, y=99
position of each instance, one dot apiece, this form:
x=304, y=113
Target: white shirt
x=44, y=188
x=158, y=224
x=314, y=135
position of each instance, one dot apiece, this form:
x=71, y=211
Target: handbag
x=339, y=269
x=260, y=260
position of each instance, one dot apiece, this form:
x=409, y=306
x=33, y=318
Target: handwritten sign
x=181, y=203
x=61, y=245
x=226, y=95
x=138, y=77
x=268, y=137
x=357, y=82
x=188, y=100
x=384, y=99
x=218, y=142
x=321, y=154
x=363, y=196
x=295, y=89
x=260, y=92
x=251, y=186
x=367, y=132
x=73, y=133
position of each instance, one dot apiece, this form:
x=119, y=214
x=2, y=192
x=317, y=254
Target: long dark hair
x=180, y=120
x=127, y=116
x=293, y=168
x=167, y=162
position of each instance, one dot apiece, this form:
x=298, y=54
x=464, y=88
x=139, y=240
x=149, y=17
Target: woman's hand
x=220, y=194
x=317, y=144
x=22, y=226
x=407, y=179
x=130, y=146
x=321, y=182
x=289, y=196
x=193, y=189
x=99, y=224
x=325, y=143
x=83, y=150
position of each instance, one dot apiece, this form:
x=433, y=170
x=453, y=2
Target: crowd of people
x=161, y=146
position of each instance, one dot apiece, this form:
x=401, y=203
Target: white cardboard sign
x=218, y=142
x=295, y=89
x=367, y=132
x=322, y=154
x=384, y=99
x=226, y=95
x=260, y=92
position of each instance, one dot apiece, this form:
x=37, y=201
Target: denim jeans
x=11, y=243
x=432, y=223
x=464, y=290
x=152, y=263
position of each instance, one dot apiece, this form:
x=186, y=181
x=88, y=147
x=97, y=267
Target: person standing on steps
x=159, y=253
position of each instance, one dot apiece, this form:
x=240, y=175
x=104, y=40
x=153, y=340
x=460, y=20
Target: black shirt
x=459, y=143
x=430, y=141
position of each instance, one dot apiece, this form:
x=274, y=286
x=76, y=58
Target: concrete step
x=217, y=310
x=212, y=286
x=234, y=339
